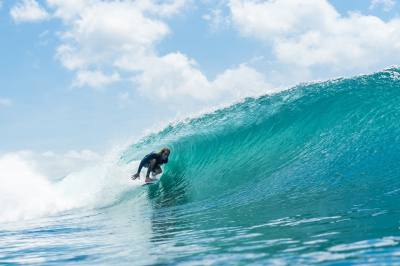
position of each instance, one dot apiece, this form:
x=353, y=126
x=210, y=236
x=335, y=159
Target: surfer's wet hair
x=165, y=149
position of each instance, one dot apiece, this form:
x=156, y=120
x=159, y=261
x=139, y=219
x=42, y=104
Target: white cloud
x=5, y=102
x=95, y=78
x=387, y=5
x=240, y=82
x=99, y=34
x=105, y=31
x=108, y=41
x=70, y=9
x=28, y=11
x=120, y=37
x=313, y=35
x=217, y=19
x=281, y=17
x=174, y=77
x=104, y=42
x=161, y=8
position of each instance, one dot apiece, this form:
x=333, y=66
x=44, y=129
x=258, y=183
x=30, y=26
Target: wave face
x=326, y=140
x=320, y=158
x=307, y=176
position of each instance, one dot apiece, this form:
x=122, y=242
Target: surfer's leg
x=157, y=170
x=153, y=173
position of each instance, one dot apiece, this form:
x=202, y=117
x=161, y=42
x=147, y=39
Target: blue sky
x=85, y=74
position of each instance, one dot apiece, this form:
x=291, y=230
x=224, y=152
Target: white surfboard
x=142, y=179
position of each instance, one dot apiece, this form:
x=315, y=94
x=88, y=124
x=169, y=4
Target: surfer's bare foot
x=149, y=180
x=135, y=176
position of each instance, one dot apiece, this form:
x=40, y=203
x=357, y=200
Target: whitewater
x=309, y=175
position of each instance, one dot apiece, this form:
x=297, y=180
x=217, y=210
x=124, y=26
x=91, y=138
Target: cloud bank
x=312, y=34
x=28, y=11
x=386, y=5
x=106, y=42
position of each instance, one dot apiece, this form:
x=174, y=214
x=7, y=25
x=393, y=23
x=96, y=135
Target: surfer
x=152, y=162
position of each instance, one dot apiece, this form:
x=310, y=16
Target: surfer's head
x=165, y=153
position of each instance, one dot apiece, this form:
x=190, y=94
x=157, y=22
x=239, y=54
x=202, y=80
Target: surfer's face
x=165, y=155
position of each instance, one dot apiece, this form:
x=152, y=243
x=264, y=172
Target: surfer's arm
x=151, y=167
x=142, y=163
x=140, y=167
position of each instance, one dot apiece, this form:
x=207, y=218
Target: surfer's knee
x=157, y=171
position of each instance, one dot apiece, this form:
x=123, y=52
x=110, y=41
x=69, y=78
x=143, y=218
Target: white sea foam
x=26, y=192
x=364, y=244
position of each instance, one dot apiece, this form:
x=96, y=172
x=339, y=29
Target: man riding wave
x=152, y=162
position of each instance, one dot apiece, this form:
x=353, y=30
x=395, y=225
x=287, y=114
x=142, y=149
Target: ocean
x=306, y=176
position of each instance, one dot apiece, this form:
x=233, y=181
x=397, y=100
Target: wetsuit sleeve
x=140, y=167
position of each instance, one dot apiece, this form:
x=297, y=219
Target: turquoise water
x=307, y=176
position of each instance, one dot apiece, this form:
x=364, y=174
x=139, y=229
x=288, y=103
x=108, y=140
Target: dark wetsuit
x=145, y=162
